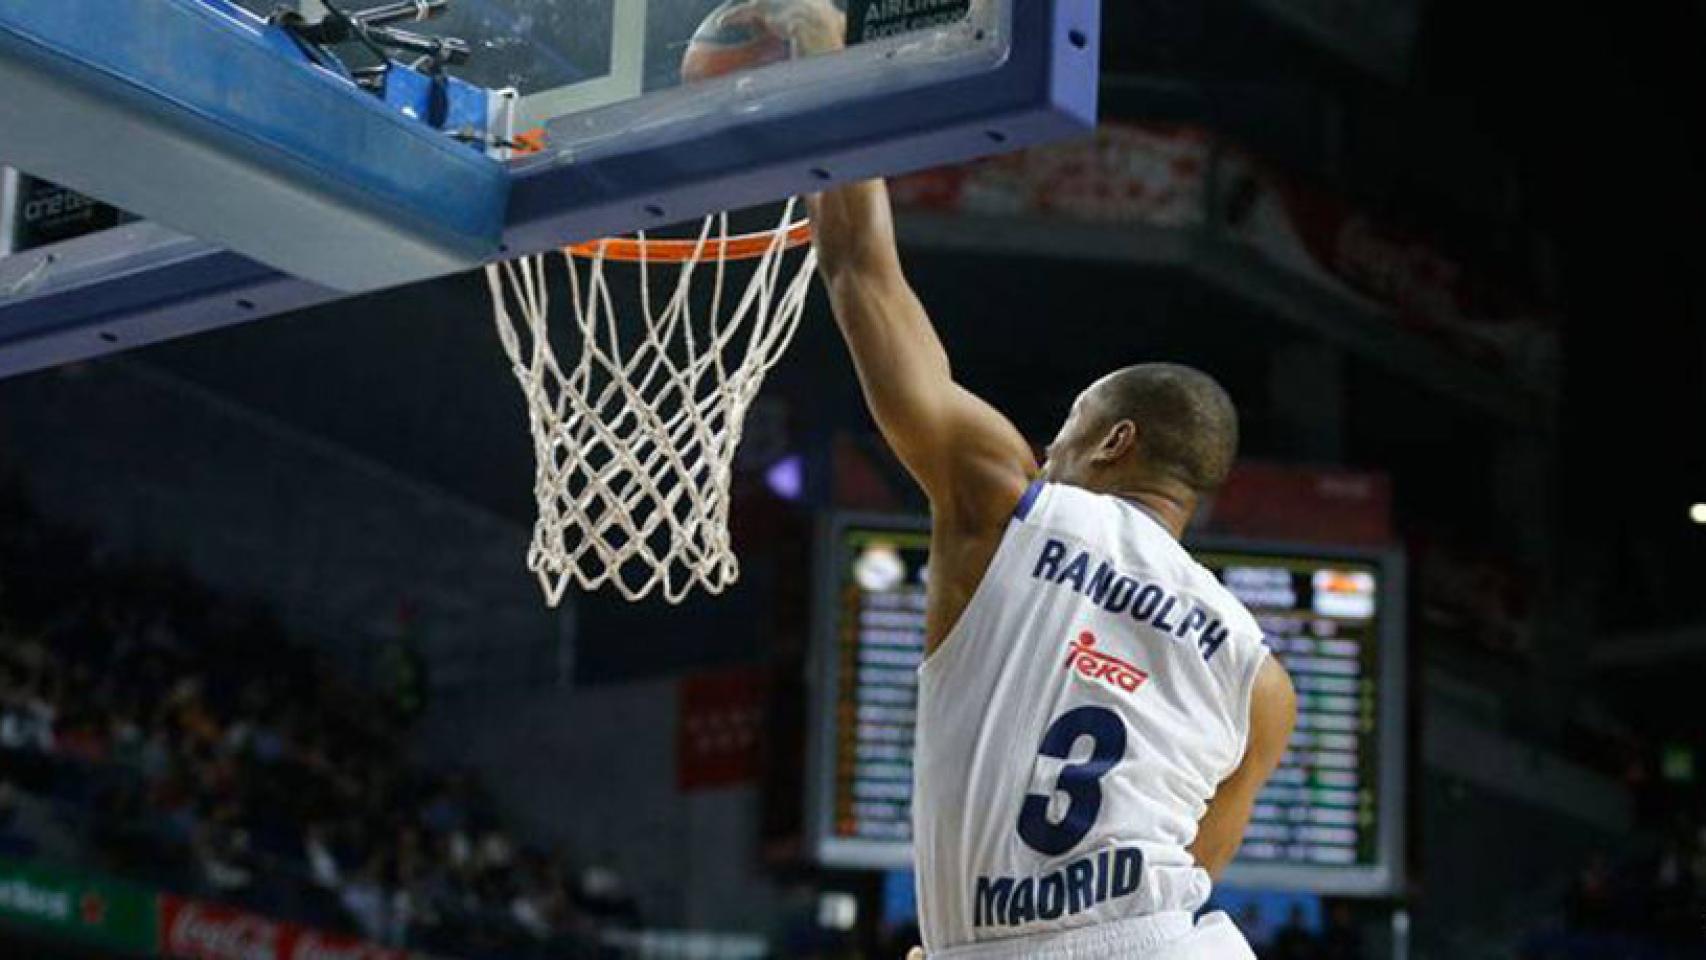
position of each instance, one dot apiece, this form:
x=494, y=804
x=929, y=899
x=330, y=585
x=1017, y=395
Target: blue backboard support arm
x=201, y=116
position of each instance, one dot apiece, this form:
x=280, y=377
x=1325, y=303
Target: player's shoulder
x=1233, y=612
x=1070, y=508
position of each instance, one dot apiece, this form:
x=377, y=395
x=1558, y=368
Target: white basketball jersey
x=1074, y=724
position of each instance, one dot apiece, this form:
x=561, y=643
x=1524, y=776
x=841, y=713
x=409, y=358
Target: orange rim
x=747, y=246
x=531, y=142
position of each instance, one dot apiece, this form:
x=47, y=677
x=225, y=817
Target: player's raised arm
x=968, y=458
x=1273, y=713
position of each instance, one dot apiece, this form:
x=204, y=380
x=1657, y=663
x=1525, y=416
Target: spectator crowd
x=1643, y=905
x=183, y=740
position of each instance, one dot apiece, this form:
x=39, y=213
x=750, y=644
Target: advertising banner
x=35, y=213
x=1388, y=271
x=196, y=930
x=719, y=719
x=1277, y=501
x=1159, y=176
x=876, y=19
x=64, y=903
x=1126, y=173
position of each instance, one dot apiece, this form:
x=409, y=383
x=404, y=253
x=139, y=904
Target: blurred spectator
x=1340, y=939
x=1589, y=907
x=1294, y=941
x=206, y=753
x=8, y=805
x=1646, y=905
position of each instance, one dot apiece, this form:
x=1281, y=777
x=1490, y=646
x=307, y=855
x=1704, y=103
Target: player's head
x=1156, y=427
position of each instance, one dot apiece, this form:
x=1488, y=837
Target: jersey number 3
x=1081, y=782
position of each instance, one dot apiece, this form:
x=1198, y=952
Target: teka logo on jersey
x=1084, y=659
x=221, y=935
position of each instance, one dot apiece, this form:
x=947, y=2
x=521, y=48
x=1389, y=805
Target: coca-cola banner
x=1126, y=173
x=197, y=930
x=1387, y=271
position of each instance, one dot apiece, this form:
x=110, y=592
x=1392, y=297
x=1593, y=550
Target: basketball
x=731, y=39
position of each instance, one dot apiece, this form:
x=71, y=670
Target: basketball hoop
x=635, y=440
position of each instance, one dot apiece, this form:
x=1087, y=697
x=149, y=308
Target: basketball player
x=1096, y=711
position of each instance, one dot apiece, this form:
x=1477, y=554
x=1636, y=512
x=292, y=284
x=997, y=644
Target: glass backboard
x=306, y=188
x=569, y=56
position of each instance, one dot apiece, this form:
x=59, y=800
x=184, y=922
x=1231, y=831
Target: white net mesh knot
x=635, y=441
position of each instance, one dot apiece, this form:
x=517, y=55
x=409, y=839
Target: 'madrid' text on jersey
x=1116, y=592
x=1074, y=888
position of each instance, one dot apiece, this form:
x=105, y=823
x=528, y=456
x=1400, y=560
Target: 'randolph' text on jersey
x=1117, y=592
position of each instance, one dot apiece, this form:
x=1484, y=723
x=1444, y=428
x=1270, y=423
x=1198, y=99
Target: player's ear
x=1120, y=440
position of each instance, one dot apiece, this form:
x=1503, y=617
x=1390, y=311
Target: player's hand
x=811, y=26
x=916, y=953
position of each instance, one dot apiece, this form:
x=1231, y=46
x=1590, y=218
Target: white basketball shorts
x=1161, y=936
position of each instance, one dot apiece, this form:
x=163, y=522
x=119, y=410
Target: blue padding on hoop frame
x=198, y=115
x=1044, y=91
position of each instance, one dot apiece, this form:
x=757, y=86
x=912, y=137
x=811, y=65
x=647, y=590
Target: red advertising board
x=1158, y=175
x=1274, y=501
x=197, y=930
x=1389, y=271
x=1126, y=173
x=719, y=723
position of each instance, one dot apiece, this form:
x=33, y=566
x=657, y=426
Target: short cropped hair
x=1189, y=427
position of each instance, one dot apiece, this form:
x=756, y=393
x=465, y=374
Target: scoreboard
x=870, y=641
x=1329, y=821
x=1330, y=818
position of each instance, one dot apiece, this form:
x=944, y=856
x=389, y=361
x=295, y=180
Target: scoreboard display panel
x=1329, y=821
x=869, y=643
x=1330, y=818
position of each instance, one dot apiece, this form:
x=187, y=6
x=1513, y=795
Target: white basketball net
x=635, y=441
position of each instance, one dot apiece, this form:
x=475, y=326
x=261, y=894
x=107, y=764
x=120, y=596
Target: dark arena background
x=274, y=682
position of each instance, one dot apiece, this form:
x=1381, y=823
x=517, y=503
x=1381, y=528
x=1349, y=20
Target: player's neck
x=1170, y=510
